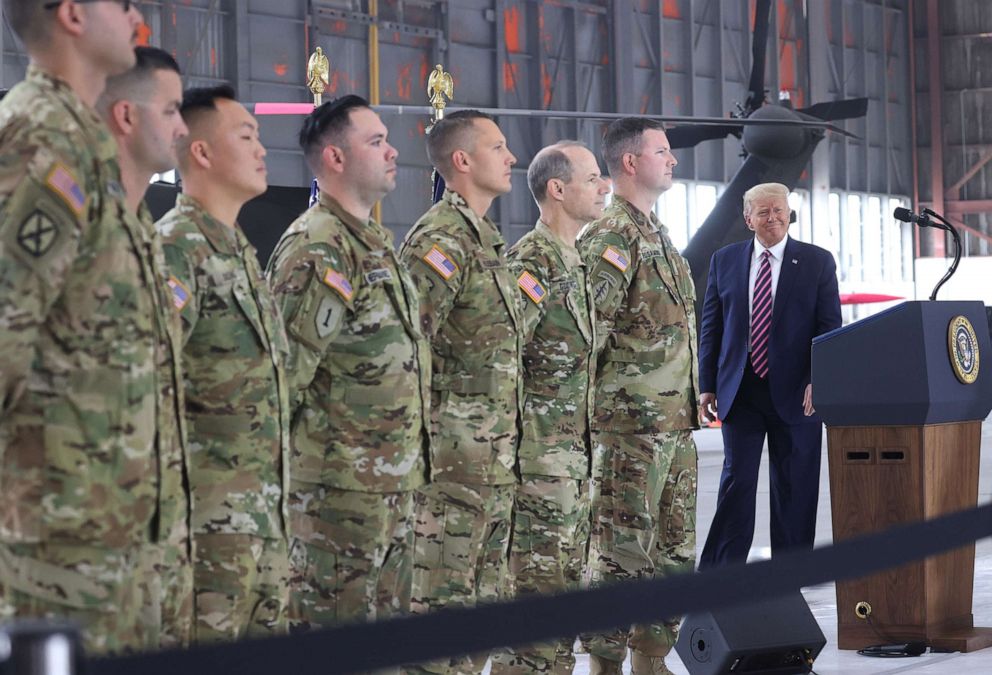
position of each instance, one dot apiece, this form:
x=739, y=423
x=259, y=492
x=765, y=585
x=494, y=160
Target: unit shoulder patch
x=37, y=234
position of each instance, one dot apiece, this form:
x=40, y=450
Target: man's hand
x=707, y=407
x=807, y=400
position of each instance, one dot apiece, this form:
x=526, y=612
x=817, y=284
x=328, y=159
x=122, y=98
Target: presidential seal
x=962, y=347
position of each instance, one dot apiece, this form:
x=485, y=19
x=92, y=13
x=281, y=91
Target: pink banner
x=283, y=108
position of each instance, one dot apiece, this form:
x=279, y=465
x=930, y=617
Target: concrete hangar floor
x=822, y=599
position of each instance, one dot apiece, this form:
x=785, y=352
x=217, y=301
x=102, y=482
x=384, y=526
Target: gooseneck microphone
x=924, y=220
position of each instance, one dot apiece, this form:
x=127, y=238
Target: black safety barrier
x=394, y=642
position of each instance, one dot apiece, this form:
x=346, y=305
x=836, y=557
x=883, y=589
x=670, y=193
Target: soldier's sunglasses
x=126, y=4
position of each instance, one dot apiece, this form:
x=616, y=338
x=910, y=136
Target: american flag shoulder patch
x=616, y=258
x=63, y=183
x=338, y=282
x=180, y=294
x=440, y=262
x=532, y=287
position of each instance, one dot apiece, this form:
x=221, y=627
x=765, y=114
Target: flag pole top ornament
x=318, y=69
x=439, y=86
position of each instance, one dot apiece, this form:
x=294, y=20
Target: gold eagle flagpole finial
x=439, y=85
x=318, y=69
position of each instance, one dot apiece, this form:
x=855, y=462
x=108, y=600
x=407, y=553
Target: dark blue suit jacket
x=806, y=304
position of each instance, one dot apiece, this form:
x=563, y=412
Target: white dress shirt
x=775, y=262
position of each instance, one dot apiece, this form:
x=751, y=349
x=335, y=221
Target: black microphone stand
x=957, y=249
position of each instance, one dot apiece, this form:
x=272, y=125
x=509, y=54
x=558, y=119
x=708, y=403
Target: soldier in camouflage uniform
x=359, y=379
x=551, y=510
x=472, y=317
x=234, y=355
x=644, y=458
x=141, y=108
x=84, y=487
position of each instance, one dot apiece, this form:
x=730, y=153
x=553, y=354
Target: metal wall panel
x=673, y=56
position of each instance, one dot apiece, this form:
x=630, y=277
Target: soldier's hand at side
x=808, y=408
x=707, y=407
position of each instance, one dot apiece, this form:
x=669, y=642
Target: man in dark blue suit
x=766, y=299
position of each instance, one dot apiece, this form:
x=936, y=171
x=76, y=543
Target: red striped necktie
x=761, y=316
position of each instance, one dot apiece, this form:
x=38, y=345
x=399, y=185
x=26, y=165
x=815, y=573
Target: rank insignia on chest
x=532, y=287
x=180, y=294
x=338, y=283
x=63, y=183
x=616, y=258
x=440, y=262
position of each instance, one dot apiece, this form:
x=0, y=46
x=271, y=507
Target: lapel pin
x=795, y=262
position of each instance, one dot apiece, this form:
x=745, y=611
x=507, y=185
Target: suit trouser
x=643, y=526
x=794, y=471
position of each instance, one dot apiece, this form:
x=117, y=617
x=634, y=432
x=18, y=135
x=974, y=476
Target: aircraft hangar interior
x=877, y=117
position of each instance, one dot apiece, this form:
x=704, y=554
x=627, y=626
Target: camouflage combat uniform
x=551, y=513
x=360, y=378
x=237, y=415
x=472, y=316
x=88, y=373
x=168, y=566
x=644, y=458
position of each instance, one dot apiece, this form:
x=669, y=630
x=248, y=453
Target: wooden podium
x=904, y=439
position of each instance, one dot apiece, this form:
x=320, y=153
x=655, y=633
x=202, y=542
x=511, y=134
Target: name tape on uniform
x=337, y=281
x=440, y=262
x=532, y=287
x=616, y=258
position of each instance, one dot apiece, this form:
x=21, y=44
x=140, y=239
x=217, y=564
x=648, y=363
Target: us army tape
x=395, y=642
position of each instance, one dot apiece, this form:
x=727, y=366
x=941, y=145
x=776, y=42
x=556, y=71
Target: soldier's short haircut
x=327, y=125
x=626, y=135
x=764, y=191
x=28, y=19
x=197, y=103
x=550, y=162
x=453, y=132
x=136, y=82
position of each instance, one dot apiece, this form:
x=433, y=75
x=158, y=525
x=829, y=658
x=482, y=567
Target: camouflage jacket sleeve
x=44, y=210
x=609, y=257
x=314, y=285
x=183, y=282
x=436, y=262
x=523, y=262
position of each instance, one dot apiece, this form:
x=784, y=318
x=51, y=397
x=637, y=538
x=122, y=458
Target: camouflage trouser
x=352, y=556
x=547, y=554
x=462, y=535
x=643, y=525
x=167, y=595
x=95, y=588
x=241, y=586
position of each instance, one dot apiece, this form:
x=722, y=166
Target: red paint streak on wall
x=546, y=90
x=339, y=26
x=280, y=69
x=509, y=75
x=670, y=9
x=404, y=82
x=144, y=33
x=787, y=66
x=213, y=57
x=511, y=29
x=424, y=69
x=332, y=85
